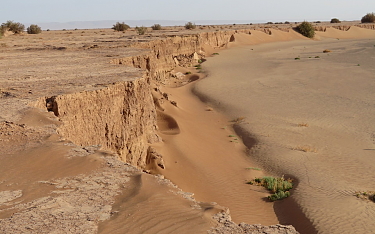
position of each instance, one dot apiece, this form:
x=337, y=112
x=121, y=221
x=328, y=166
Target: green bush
x=335, y=20
x=156, y=27
x=141, y=30
x=190, y=25
x=368, y=18
x=120, y=27
x=279, y=195
x=306, y=29
x=33, y=29
x=278, y=186
x=14, y=27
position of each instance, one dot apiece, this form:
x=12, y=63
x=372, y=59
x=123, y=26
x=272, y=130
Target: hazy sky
x=37, y=11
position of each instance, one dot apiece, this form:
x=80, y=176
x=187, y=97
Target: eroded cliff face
x=345, y=27
x=120, y=118
x=166, y=54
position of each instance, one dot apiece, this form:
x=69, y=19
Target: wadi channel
x=111, y=132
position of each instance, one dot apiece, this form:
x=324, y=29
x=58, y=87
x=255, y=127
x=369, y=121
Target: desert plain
x=264, y=101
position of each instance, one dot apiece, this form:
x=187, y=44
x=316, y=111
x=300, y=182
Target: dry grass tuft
x=303, y=125
x=238, y=120
x=326, y=51
x=305, y=148
x=369, y=195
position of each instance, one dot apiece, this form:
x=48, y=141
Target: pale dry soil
x=312, y=119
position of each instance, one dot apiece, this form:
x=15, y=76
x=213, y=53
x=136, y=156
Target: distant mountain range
x=133, y=23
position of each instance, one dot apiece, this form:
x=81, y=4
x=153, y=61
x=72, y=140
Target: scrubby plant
x=120, y=27
x=278, y=186
x=306, y=29
x=17, y=28
x=14, y=27
x=368, y=18
x=335, y=20
x=156, y=27
x=190, y=25
x=141, y=30
x=33, y=29
x=279, y=195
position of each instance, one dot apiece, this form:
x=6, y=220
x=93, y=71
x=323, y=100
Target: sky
x=39, y=11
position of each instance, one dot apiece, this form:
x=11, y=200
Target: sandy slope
x=321, y=105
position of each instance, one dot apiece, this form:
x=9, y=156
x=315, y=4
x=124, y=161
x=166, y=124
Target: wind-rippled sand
x=313, y=118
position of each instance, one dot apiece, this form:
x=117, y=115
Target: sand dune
x=312, y=117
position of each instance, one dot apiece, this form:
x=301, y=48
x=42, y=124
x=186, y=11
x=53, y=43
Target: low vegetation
x=14, y=27
x=253, y=168
x=306, y=29
x=335, y=20
x=368, y=18
x=327, y=51
x=156, y=27
x=190, y=25
x=33, y=29
x=369, y=195
x=120, y=27
x=141, y=30
x=278, y=186
x=238, y=120
x=305, y=148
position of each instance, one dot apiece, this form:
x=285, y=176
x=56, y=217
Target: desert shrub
x=269, y=22
x=14, y=27
x=306, y=29
x=17, y=28
x=278, y=186
x=368, y=18
x=335, y=20
x=190, y=25
x=156, y=27
x=33, y=29
x=279, y=195
x=120, y=27
x=286, y=22
x=141, y=30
